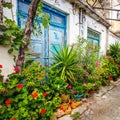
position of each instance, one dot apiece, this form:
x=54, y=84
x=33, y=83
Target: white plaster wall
x=6, y=60
x=112, y=39
x=11, y=13
x=93, y=24
x=74, y=29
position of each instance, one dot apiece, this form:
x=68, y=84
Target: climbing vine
x=12, y=34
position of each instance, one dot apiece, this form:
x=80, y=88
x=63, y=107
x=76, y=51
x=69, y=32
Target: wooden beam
x=106, y=9
x=113, y=19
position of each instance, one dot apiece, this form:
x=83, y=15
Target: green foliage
x=87, y=56
x=7, y=4
x=40, y=16
x=65, y=62
x=109, y=69
x=114, y=50
x=12, y=35
x=28, y=96
x=76, y=115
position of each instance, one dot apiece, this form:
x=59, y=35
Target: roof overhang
x=90, y=11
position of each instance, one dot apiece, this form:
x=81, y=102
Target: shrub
x=66, y=63
x=27, y=96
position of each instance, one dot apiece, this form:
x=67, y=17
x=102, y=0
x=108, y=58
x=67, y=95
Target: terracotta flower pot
x=74, y=104
x=53, y=118
x=68, y=111
x=64, y=106
x=59, y=113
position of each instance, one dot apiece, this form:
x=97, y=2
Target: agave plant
x=114, y=50
x=66, y=63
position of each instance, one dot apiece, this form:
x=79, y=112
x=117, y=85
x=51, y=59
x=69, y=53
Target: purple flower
x=73, y=92
x=69, y=86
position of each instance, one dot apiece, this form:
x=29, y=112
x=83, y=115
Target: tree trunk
x=28, y=29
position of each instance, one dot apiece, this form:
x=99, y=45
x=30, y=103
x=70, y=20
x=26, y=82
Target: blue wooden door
x=41, y=46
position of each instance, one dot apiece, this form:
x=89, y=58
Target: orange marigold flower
x=13, y=119
x=7, y=102
x=1, y=66
x=19, y=86
x=45, y=94
x=34, y=94
x=43, y=111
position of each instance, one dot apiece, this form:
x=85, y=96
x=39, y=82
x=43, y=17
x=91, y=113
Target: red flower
x=43, y=111
x=16, y=69
x=7, y=102
x=61, y=108
x=34, y=94
x=45, y=94
x=13, y=119
x=1, y=66
x=19, y=86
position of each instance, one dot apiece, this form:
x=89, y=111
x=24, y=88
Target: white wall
x=11, y=13
x=6, y=60
x=93, y=24
x=112, y=39
x=73, y=28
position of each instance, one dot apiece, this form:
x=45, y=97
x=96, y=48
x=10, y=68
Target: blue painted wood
x=93, y=36
x=55, y=34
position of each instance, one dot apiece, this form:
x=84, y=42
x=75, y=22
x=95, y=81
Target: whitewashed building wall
x=74, y=29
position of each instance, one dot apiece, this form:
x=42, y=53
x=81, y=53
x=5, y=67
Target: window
x=93, y=36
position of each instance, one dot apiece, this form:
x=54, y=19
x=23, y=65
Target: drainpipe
x=79, y=23
x=107, y=38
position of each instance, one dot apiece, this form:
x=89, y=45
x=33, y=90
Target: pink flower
x=85, y=64
x=73, y=92
x=84, y=84
x=69, y=86
x=0, y=106
x=97, y=63
x=86, y=73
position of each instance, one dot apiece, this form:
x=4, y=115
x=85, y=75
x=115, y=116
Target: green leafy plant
x=12, y=35
x=114, y=50
x=26, y=95
x=76, y=115
x=87, y=56
x=66, y=62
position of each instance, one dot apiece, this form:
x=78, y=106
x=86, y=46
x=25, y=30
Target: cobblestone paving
x=104, y=105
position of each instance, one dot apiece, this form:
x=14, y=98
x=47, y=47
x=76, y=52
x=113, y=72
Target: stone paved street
x=104, y=105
